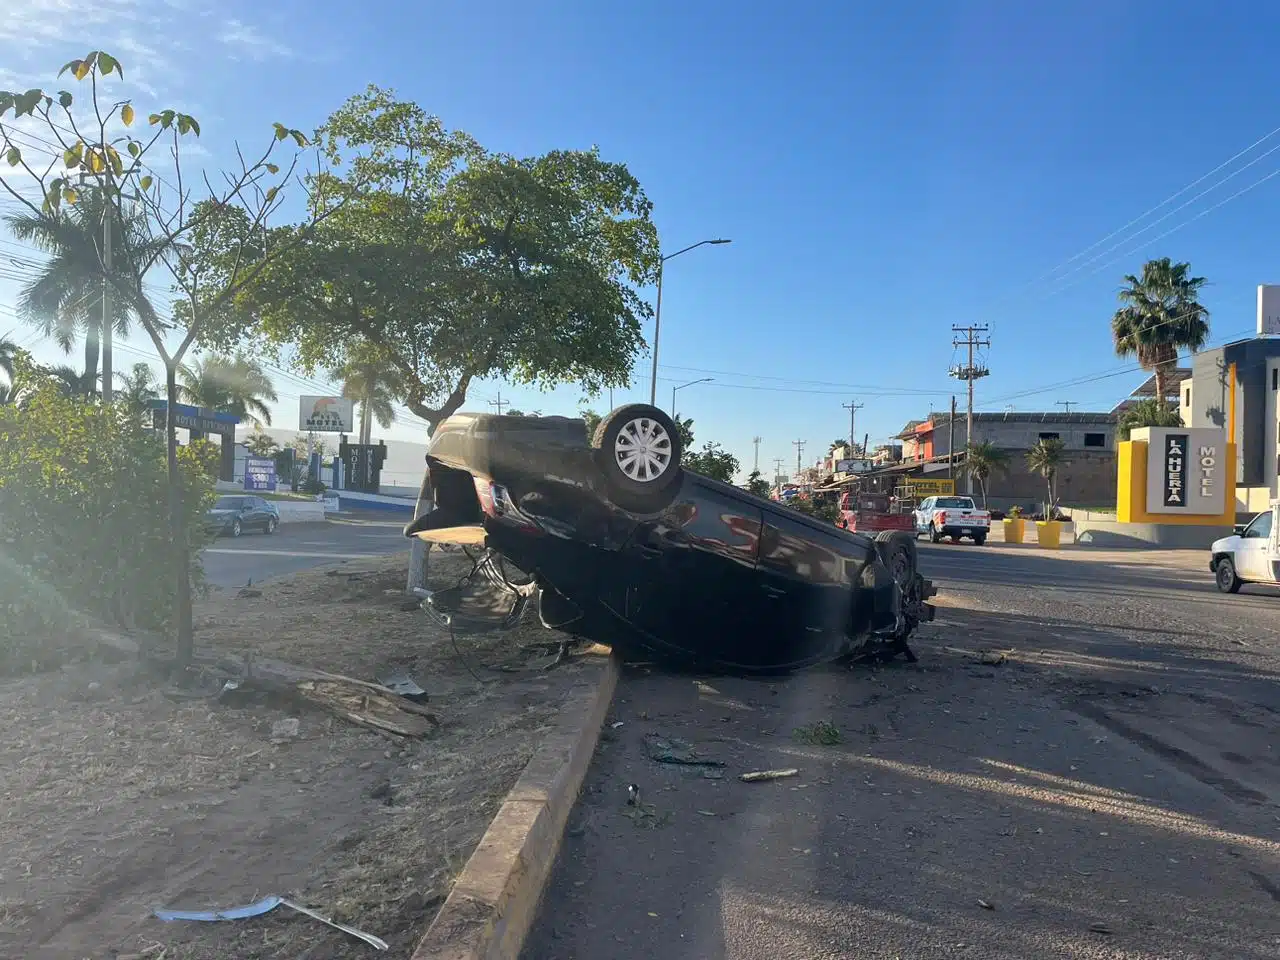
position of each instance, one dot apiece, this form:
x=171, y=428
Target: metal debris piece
x=1099, y=928
x=398, y=681
x=985, y=905
x=758, y=775
x=283, y=730
x=266, y=905
x=633, y=794
x=677, y=751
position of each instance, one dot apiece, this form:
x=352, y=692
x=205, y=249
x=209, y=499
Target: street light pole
x=691, y=383
x=657, y=314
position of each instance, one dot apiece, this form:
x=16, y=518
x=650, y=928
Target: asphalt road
x=294, y=547
x=1108, y=791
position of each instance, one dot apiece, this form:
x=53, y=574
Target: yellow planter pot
x=1014, y=529
x=1049, y=533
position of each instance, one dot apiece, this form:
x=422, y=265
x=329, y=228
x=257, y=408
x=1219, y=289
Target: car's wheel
x=935, y=535
x=271, y=525
x=639, y=449
x=1225, y=576
x=235, y=528
x=897, y=550
x=979, y=539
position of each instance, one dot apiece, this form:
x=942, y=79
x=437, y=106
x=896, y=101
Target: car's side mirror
x=1239, y=529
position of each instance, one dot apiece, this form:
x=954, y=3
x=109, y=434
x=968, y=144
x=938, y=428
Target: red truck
x=871, y=513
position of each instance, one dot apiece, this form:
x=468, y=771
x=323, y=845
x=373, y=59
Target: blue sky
x=883, y=172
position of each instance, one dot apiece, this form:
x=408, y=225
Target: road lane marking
x=290, y=553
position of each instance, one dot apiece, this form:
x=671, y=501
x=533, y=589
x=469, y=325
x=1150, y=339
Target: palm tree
x=237, y=385
x=1161, y=316
x=65, y=299
x=8, y=351
x=260, y=443
x=72, y=383
x=137, y=388
x=1148, y=412
x=981, y=461
x=373, y=383
x=1046, y=458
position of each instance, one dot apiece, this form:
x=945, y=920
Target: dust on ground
x=121, y=796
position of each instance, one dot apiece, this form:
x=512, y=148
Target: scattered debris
x=821, y=733
x=633, y=794
x=266, y=905
x=677, y=751
x=399, y=682
x=757, y=775
x=285, y=730
x=707, y=813
x=986, y=905
x=1099, y=928
x=646, y=815
x=616, y=724
x=368, y=705
x=247, y=593
x=990, y=658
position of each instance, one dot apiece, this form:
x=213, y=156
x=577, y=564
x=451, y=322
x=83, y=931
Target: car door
x=690, y=572
x=922, y=514
x=256, y=515
x=1253, y=557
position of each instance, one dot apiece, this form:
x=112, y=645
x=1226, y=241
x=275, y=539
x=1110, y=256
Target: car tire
x=639, y=450
x=935, y=535
x=897, y=550
x=979, y=539
x=1226, y=578
x=235, y=528
x=271, y=526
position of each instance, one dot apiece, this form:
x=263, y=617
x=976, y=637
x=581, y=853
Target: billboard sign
x=199, y=419
x=260, y=474
x=856, y=465
x=930, y=488
x=327, y=415
x=1185, y=469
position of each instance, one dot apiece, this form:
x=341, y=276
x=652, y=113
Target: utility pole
x=777, y=468
x=853, y=407
x=499, y=403
x=757, y=441
x=951, y=442
x=799, y=445
x=1066, y=403
x=972, y=339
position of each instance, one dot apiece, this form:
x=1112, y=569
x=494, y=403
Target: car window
x=955, y=503
x=1260, y=529
x=927, y=503
x=229, y=503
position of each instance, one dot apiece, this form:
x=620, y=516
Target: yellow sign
x=920, y=487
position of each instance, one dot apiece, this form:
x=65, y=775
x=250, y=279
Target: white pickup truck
x=953, y=517
x=1250, y=555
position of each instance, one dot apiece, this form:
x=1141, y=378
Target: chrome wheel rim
x=643, y=450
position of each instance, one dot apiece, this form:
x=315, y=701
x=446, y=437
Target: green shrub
x=84, y=523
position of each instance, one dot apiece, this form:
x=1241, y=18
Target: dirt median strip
x=492, y=906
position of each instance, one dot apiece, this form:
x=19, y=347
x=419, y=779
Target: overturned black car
x=610, y=540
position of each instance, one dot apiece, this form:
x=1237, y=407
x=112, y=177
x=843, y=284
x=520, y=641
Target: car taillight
x=940, y=516
x=497, y=503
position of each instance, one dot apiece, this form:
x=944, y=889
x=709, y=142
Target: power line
x=970, y=373
x=1068, y=404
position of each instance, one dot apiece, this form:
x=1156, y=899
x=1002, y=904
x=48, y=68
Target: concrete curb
x=493, y=904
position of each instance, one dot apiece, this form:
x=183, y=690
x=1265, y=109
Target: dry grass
x=117, y=799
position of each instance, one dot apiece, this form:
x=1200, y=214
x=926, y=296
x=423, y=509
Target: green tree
x=237, y=385
x=1046, y=458
x=72, y=383
x=67, y=467
x=8, y=351
x=1161, y=315
x=259, y=443
x=137, y=389
x=712, y=461
x=97, y=153
x=1148, y=412
x=65, y=299
x=982, y=461
x=458, y=263
x=758, y=485
x=369, y=379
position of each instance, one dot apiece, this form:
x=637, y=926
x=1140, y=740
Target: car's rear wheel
x=935, y=535
x=979, y=538
x=897, y=550
x=1226, y=578
x=639, y=449
x=271, y=525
